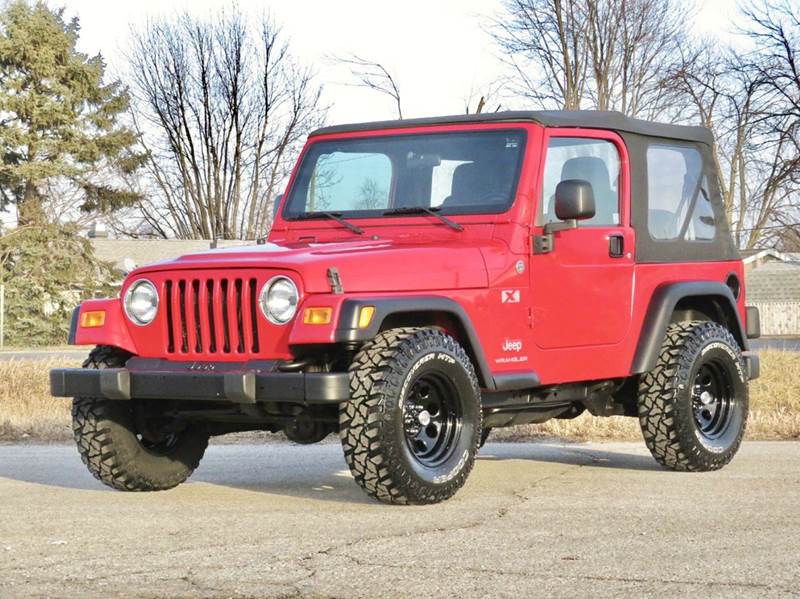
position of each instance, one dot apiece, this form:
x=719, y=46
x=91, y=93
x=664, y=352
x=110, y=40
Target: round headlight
x=278, y=300
x=141, y=302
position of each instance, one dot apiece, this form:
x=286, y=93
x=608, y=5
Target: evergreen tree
x=47, y=269
x=58, y=119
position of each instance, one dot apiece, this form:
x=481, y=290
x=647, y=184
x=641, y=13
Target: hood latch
x=335, y=280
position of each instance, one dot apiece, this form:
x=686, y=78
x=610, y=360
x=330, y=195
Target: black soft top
x=590, y=119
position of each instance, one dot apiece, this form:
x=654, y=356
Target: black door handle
x=616, y=246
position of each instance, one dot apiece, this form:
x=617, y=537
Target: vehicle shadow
x=304, y=472
x=569, y=454
x=313, y=472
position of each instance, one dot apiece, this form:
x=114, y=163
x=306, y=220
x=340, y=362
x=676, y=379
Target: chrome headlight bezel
x=265, y=297
x=142, y=318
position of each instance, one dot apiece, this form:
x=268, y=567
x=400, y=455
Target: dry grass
x=28, y=412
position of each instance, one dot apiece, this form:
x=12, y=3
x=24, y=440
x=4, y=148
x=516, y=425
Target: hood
x=384, y=265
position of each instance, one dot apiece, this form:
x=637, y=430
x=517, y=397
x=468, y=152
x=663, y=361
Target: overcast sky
x=436, y=48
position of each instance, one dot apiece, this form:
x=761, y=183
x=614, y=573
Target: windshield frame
x=484, y=209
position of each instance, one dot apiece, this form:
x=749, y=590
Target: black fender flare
x=347, y=330
x=660, y=310
x=73, y=325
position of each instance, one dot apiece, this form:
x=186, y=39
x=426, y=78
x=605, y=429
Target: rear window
x=679, y=205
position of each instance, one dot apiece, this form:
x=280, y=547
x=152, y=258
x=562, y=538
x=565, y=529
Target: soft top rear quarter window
x=679, y=203
x=457, y=172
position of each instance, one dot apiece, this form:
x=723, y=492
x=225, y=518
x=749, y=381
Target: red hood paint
x=384, y=265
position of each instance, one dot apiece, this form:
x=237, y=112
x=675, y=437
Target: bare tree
x=752, y=103
x=601, y=54
x=547, y=37
x=708, y=88
x=483, y=99
x=774, y=66
x=372, y=195
x=222, y=108
x=373, y=75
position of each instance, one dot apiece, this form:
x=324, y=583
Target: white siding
x=779, y=318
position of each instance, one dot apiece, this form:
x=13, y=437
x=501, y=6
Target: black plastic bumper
x=753, y=322
x=240, y=386
x=753, y=365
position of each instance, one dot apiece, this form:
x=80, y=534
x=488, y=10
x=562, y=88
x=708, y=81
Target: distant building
x=773, y=285
x=127, y=254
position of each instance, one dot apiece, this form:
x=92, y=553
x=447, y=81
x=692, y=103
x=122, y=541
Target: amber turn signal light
x=365, y=316
x=317, y=315
x=92, y=320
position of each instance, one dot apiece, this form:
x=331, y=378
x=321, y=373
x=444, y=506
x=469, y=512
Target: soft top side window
x=679, y=206
x=594, y=160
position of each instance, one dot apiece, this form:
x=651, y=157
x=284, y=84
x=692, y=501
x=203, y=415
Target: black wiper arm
x=337, y=216
x=425, y=210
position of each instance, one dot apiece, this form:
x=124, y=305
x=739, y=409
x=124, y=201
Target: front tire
x=693, y=405
x=411, y=429
x=114, y=450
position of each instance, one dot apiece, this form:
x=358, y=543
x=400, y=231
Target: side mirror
x=276, y=203
x=574, y=200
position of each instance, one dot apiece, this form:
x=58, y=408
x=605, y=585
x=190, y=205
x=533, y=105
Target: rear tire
x=113, y=450
x=411, y=429
x=693, y=405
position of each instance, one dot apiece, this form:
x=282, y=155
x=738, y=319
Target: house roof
x=591, y=119
x=127, y=254
x=774, y=281
x=749, y=256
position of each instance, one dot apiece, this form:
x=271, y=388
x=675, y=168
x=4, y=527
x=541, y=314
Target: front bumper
x=248, y=383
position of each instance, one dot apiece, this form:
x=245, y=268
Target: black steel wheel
x=713, y=400
x=411, y=429
x=693, y=405
x=432, y=418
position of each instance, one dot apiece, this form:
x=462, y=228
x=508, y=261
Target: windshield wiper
x=337, y=216
x=425, y=210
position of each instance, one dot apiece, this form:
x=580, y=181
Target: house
x=773, y=285
x=127, y=254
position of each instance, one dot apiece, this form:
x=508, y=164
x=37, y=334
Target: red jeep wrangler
x=424, y=282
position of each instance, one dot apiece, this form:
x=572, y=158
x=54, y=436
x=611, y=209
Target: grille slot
x=251, y=303
x=211, y=316
x=182, y=316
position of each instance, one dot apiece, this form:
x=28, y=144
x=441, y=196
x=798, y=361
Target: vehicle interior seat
x=471, y=184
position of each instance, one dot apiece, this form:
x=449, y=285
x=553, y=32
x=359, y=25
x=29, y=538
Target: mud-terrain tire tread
x=672, y=445
x=374, y=378
x=94, y=427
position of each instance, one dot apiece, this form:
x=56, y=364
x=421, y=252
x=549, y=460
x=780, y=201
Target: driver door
x=581, y=288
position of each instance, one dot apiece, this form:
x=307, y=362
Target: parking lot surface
x=279, y=520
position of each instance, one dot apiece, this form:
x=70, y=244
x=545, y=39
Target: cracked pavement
x=276, y=520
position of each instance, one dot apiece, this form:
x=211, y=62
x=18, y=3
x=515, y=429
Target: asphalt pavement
x=44, y=354
x=278, y=520
x=781, y=343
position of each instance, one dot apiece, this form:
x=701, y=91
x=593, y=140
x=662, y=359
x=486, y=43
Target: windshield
x=453, y=173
